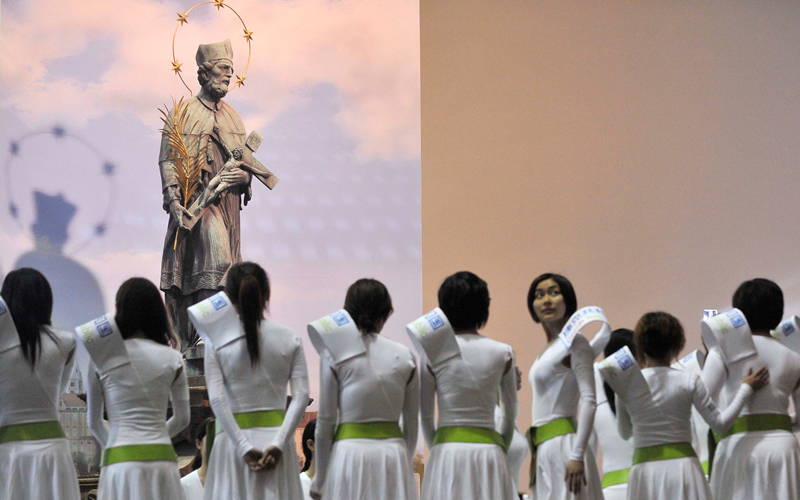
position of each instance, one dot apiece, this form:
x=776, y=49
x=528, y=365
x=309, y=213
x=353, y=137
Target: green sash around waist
x=705, y=467
x=251, y=419
x=468, y=435
x=550, y=430
x=615, y=477
x=758, y=422
x=368, y=430
x=31, y=432
x=663, y=452
x=138, y=453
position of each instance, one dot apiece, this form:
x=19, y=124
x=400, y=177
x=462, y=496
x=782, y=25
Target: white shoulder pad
x=692, y=362
x=103, y=340
x=788, y=332
x=433, y=336
x=731, y=333
x=216, y=320
x=9, y=338
x=338, y=334
x=580, y=319
x=622, y=373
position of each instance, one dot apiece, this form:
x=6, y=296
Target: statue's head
x=215, y=67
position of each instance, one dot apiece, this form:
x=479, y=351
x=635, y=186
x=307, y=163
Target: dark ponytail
x=308, y=433
x=620, y=338
x=248, y=288
x=30, y=302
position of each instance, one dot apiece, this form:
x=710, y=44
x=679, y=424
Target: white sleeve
x=714, y=373
x=582, y=366
x=719, y=422
x=326, y=419
x=95, y=400
x=796, y=400
x=215, y=384
x=411, y=412
x=180, y=403
x=427, y=401
x=600, y=341
x=297, y=408
x=66, y=373
x=508, y=399
x=624, y=424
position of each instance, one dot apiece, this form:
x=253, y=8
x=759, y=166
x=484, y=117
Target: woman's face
x=548, y=303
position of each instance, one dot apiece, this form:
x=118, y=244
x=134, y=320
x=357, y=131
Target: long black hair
x=369, y=304
x=30, y=302
x=620, y=338
x=140, y=308
x=199, y=434
x=308, y=433
x=248, y=288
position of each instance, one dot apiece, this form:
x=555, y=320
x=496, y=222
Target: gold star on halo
x=248, y=35
x=218, y=4
x=240, y=78
x=176, y=66
x=182, y=18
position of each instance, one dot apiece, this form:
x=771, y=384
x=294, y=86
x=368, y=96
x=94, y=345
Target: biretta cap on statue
x=214, y=51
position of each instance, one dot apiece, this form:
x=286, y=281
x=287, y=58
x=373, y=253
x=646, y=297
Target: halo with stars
x=105, y=167
x=183, y=18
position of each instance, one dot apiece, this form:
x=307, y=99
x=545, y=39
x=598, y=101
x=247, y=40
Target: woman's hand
x=575, y=476
x=757, y=380
x=271, y=457
x=253, y=459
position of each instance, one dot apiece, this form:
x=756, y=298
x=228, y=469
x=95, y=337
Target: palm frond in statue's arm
x=187, y=168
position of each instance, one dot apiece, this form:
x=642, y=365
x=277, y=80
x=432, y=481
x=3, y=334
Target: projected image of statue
x=206, y=167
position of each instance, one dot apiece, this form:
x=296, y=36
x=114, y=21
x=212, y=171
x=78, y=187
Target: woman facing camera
x=561, y=468
x=249, y=362
x=35, y=366
x=138, y=458
x=664, y=462
x=363, y=397
x=467, y=460
x=760, y=457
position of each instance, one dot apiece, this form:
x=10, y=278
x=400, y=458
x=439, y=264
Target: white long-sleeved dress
x=465, y=389
x=379, y=386
x=558, y=389
x=136, y=396
x=762, y=464
x=236, y=386
x=617, y=452
x=30, y=396
x=668, y=421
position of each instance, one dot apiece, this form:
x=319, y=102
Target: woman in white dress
x=617, y=452
x=35, y=366
x=363, y=398
x=193, y=482
x=664, y=463
x=561, y=469
x=248, y=370
x=310, y=462
x=761, y=457
x=467, y=459
x=138, y=459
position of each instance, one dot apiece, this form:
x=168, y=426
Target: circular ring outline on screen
x=183, y=19
x=107, y=170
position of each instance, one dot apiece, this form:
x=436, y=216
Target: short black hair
x=658, y=335
x=620, y=338
x=368, y=302
x=761, y=301
x=464, y=299
x=567, y=292
x=140, y=308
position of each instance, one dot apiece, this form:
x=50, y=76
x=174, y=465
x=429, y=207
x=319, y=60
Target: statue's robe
x=203, y=255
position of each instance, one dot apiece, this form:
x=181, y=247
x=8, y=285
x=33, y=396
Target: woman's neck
x=553, y=328
x=658, y=363
x=312, y=469
x=763, y=334
x=201, y=473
